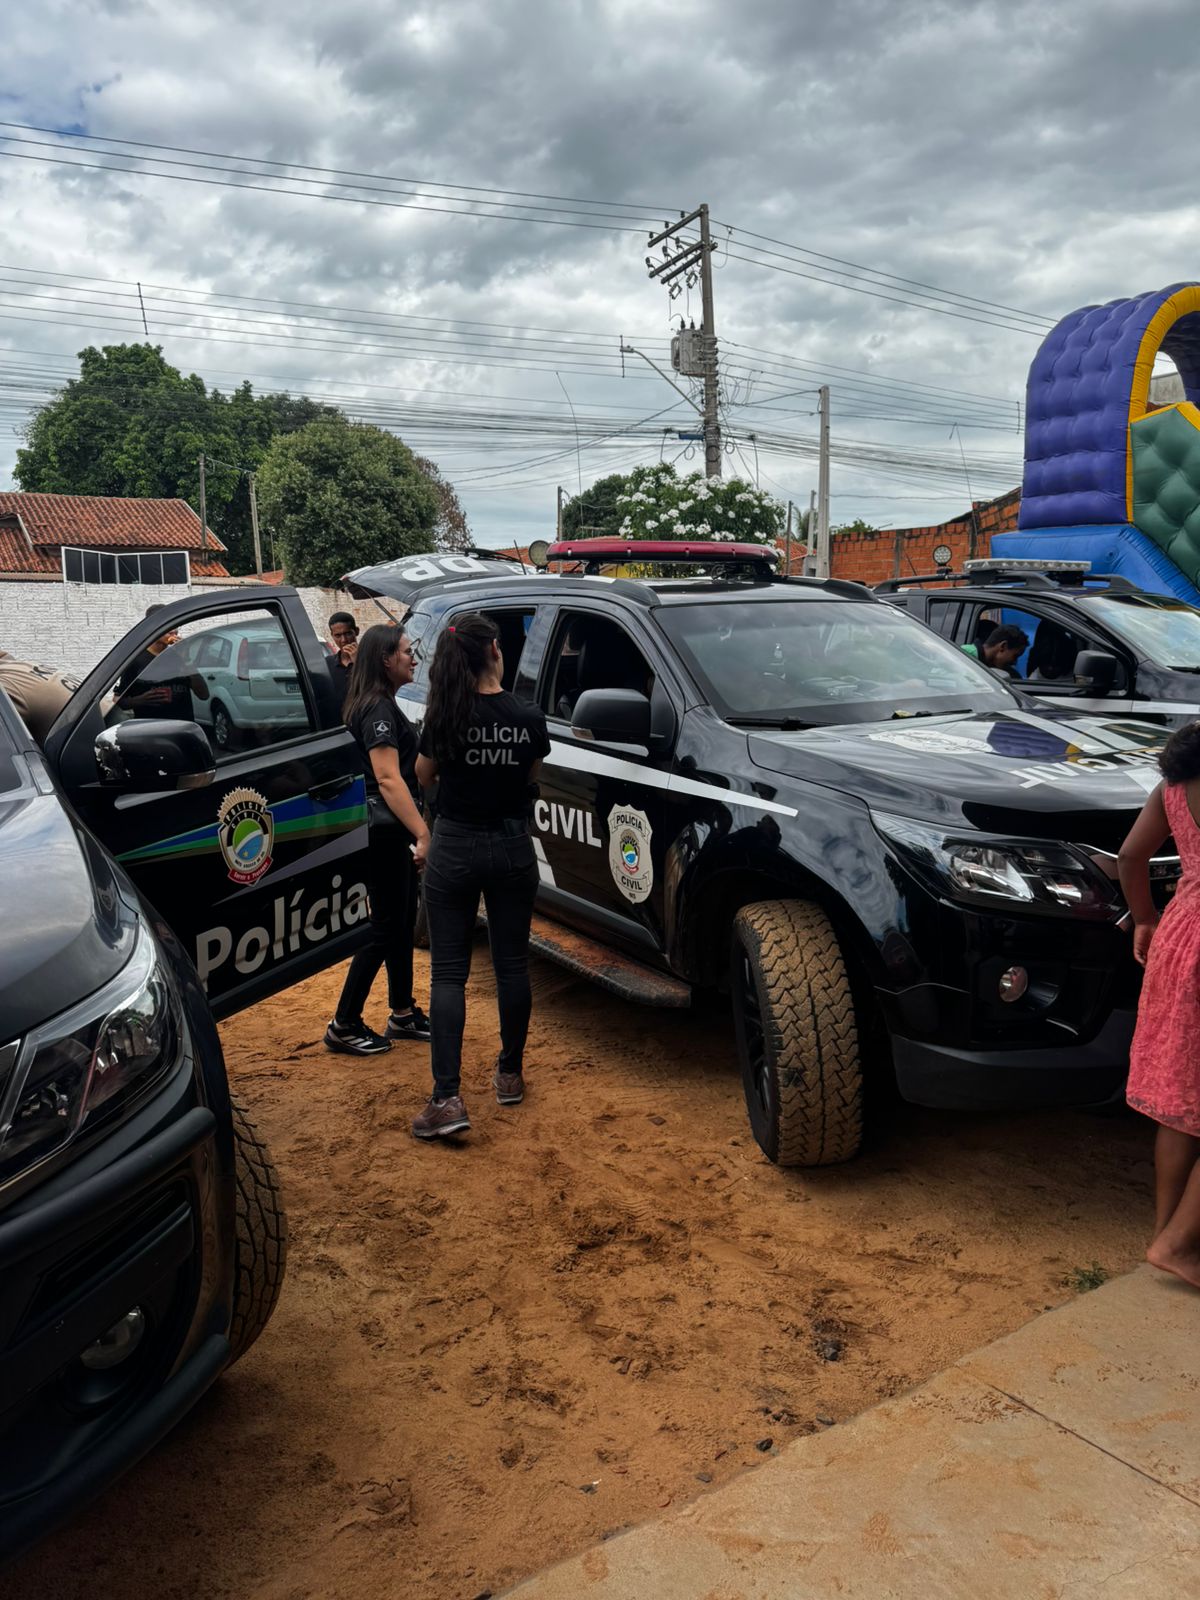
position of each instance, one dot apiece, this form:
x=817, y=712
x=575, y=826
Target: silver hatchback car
x=254, y=692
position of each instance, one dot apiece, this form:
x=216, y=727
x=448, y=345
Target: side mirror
x=146, y=756
x=1096, y=670
x=614, y=716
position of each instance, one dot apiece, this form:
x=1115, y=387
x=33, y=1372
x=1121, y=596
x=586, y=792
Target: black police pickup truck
x=141, y=1235
x=1094, y=639
x=794, y=791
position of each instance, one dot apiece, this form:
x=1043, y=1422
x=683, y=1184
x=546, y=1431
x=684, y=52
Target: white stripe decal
x=581, y=757
x=545, y=870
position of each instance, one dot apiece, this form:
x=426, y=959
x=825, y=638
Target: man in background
x=1002, y=649
x=343, y=643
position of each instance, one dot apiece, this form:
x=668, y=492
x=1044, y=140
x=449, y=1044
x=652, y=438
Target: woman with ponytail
x=397, y=840
x=482, y=747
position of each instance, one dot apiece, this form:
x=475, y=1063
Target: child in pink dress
x=1164, y=1063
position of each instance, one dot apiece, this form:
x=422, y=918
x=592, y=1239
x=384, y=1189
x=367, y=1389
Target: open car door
x=251, y=845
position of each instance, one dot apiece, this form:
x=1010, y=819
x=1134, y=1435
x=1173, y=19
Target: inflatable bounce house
x=1109, y=477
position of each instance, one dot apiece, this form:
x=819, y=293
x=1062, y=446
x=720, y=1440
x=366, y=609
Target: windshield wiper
x=907, y=716
x=787, y=724
x=1183, y=669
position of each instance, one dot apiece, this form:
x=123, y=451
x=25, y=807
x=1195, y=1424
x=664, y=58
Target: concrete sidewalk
x=1054, y=1462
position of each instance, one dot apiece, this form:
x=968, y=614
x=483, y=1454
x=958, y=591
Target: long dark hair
x=462, y=657
x=368, y=676
x=1179, y=760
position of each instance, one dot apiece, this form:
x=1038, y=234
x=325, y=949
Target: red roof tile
x=107, y=521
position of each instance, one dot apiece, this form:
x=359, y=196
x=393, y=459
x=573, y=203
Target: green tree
x=132, y=424
x=857, y=526
x=338, y=495
x=658, y=504
x=451, y=531
x=595, y=514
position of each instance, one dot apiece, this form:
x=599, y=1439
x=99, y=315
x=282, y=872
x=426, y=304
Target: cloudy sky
x=864, y=162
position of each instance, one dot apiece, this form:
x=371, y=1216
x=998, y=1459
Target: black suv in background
x=150, y=884
x=1095, y=639
x=792, y=791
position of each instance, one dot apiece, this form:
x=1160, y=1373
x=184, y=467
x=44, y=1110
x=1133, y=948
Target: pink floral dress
x=1164, y=1063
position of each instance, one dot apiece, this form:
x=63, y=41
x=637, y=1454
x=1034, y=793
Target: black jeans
x=392, y=893
x=464, y=863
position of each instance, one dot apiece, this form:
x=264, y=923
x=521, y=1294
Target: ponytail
x=462, y=657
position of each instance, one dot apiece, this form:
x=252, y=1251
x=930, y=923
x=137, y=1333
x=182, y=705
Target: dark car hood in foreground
x=1017, y=772
x=65, y=930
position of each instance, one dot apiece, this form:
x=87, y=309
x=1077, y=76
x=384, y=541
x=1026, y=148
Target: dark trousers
x=392, y=893
x=464, y=863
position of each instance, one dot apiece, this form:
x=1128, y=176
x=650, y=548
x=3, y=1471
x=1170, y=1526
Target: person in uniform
x=483, y=748
x=398, y=839
x=38, y=692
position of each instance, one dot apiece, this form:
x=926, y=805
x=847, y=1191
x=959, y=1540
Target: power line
x=264, y=161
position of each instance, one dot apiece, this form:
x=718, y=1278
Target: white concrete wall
x=72, y=625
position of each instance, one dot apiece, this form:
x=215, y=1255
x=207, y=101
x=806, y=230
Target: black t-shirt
x=339, y=674
x=381, y=725
x=489, y=780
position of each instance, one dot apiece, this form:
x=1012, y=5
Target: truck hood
x=66, y=929
x=1077, y=778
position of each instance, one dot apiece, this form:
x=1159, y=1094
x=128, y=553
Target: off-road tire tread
x=810, y=1032
x=261, y=1247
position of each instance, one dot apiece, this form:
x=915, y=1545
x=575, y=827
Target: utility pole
x=203, y=511
x=712, y=424
x=692, y=260
x=810, y=537
x=254, y=526
x=823, y=553
x=558, y=517
x=787, y=568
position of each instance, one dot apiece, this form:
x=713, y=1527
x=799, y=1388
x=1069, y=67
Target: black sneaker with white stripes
x=415, y=1025
x=355, y=1039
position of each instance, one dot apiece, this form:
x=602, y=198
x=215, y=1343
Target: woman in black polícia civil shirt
x=483, y=748
x=397, y=841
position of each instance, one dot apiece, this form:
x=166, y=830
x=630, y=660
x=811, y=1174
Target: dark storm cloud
x=1032, y=154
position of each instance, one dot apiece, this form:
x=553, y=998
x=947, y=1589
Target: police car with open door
x=1095, y=639
x=152, y=881
x=793, y=791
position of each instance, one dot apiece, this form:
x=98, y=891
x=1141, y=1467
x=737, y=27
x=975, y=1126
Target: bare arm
x=1133, y=864
x=385, y=764
x=427, y=771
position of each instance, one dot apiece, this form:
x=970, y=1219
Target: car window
x=1166, y=631
x=236, y=675
x=943, y=616
x=514, y=623
x=825, y=662
x=591, y=652
x=210, y=650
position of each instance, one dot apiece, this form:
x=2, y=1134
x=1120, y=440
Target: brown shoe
x=441, y=1117
x=510, y=1088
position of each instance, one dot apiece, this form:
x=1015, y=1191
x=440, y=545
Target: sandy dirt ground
x=602, y=1302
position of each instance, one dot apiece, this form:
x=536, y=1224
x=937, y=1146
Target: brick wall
x=901, y=552
x=73, y=625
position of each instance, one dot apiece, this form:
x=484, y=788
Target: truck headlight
x=1038, y=873
x=79, y=1067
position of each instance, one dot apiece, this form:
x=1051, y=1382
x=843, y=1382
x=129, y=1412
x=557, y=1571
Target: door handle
x=331, y=789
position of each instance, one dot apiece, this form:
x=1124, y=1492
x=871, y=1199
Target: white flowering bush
x=658, y=504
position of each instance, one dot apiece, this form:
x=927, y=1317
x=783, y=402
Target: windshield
x=1166, y=632
x=825, y=662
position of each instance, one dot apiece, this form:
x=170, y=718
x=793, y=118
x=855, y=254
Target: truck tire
x=261, y=1248
x=796, y=1034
